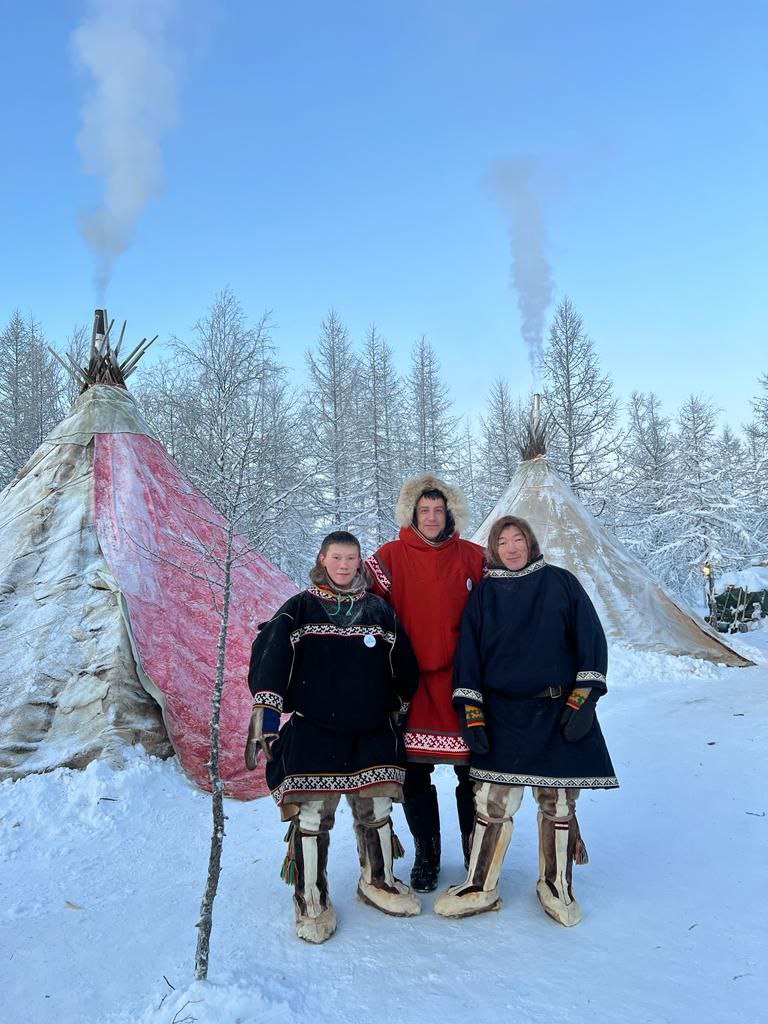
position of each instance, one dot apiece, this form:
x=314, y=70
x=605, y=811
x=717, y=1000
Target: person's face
x=513, y=548
x=341, y=562
x=430, y=517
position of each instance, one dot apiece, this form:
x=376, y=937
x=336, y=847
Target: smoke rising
x=514, y=183
x=121, y=48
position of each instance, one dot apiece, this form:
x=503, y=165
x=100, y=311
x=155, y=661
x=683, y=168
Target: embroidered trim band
x=376, y=569
x=324, y=594
x=589, y=782
x=435, y=743
x=583, y=677
x=330, y=629
x=268, y=699
x=338, y=783
x=473, y=695
x=511, y=574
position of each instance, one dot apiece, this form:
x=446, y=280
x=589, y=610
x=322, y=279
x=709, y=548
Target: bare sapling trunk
x=205, y=924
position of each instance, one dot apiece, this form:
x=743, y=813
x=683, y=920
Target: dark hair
x=437, y=495
x=534, y=551
x=340, y=537
x=318, y=574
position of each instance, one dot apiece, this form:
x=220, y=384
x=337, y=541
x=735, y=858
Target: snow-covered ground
x=101, y=875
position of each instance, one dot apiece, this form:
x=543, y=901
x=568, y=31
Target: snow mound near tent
x=753, y=580
x=628, y=664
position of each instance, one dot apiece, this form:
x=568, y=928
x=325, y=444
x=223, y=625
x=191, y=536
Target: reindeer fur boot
x=560, y=845
x=377, y=846
x=479, y=892
x=305, y=866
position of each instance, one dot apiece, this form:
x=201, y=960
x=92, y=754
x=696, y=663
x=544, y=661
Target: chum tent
x=635, y=610
x=108, y=629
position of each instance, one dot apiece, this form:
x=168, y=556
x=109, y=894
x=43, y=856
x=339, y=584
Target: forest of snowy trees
x=678, y=487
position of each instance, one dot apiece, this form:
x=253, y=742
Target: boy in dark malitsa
x=336, y=658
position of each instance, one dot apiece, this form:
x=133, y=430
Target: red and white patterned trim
x=595, y=677
x=338, y=783
x=551, y=782
x=268, y=699
x=379, y=573
x=440, y=744
x=331, y=629
x=471, y=695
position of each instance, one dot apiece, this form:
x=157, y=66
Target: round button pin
x=369, y=640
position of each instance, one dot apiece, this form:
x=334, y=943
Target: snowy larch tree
x=581, y=408
x=213, y=394
x=330, y=426
x=646, y=499
x=380, y=431
x=31, y=392
x=430, y=424
x=706, y=518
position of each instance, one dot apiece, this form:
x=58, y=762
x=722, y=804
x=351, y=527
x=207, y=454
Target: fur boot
x=559, y=844
x=377, y=846
x=306, y=867
x=479, y=892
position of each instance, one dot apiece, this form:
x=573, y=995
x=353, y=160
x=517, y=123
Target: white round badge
x=369, y=640
x=469, y=584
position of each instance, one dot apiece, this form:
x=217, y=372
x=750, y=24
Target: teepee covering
x=108, y=629
x=633, y=608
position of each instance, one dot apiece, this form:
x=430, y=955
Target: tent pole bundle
x=104, y=365
x=533, y=436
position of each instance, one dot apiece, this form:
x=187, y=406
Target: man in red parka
x=427, y=574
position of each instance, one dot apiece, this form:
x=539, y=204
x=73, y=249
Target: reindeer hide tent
x=635, y=610
x=109, y=560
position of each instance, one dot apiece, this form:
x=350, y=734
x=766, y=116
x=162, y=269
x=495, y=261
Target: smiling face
x=513, y=548
x=430, y=517
x=341, y=562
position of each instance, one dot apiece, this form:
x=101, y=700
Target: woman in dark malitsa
x=530, y=666
x=336, y=658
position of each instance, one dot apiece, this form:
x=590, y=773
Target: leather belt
x=550, y=691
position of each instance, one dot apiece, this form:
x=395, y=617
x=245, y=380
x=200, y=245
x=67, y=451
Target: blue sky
x=337, y=154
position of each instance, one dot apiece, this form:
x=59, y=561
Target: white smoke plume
x=514, y=184
x=121, y=47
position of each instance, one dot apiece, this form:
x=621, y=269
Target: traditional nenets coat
x=340, y=663
x=531, y=642
x=428, y=584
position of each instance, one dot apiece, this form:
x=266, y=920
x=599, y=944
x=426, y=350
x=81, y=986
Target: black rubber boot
x=423, y=817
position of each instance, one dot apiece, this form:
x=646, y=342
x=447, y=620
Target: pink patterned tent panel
x=164, y=544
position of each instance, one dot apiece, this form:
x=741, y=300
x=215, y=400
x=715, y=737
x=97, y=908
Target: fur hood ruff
x=409, y=495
